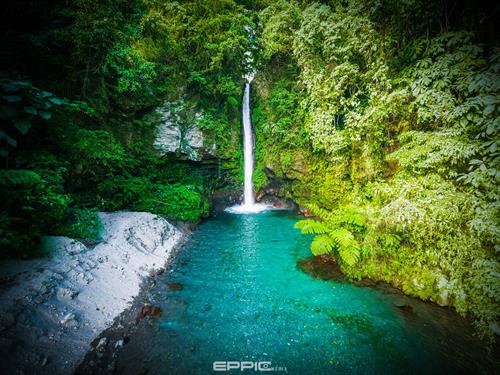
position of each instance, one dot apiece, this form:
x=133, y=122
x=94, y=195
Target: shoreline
x=52, y=309
x=105, y=348
x=130, y=339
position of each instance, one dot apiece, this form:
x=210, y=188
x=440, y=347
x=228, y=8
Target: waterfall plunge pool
x=239, y=296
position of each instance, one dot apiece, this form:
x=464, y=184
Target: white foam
x=249, y=208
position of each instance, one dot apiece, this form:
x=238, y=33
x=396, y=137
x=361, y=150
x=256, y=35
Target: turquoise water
x=244, y=299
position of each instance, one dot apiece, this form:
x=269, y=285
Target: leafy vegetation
x=382, y=118
x=391, y=141
x=335, y=233
x=77, y=93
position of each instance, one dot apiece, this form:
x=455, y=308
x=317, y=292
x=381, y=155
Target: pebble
x=67, y=318
x=102, y=344
x=67, y=293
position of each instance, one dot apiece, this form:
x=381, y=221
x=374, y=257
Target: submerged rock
x=152, y=311
x=175, y=286
x=399, y=303
x=321, y=267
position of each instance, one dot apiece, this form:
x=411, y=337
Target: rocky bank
x=51, y=309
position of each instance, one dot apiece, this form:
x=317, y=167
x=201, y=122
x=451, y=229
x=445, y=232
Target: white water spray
x=248, y=144
x=249, y=205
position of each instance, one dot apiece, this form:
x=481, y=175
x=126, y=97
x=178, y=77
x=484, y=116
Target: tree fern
x=344, y=215
x=321, y=212
x=347, y=246
x=352, y=216
x=310, y=226
x=331, y=236
x=322, y=244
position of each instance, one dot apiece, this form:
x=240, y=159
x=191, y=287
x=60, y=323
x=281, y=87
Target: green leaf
x=30, y=110
x=12, y=98
x=310, y=226
x=490, y=129
x=45, y=115
x=56, y=101
x=348, y=248
x=18, y=177
x=489, y=109
x=22, y=124
x=11, y=141
x=7, y=111
x=322, y=244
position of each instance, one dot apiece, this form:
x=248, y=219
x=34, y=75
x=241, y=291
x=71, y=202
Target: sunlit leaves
x=404, y=119
x=322, y=244
x=332, y=235
x=310, y=226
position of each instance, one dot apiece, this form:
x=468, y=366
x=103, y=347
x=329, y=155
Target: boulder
x=178, y=133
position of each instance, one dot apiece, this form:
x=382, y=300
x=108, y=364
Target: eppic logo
x=245, y=365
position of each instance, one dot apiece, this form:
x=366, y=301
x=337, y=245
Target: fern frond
x=347, y=246
x=320, y=212
x=322, y=244
x=310, y=226
x=18, y=177
x=352, y=216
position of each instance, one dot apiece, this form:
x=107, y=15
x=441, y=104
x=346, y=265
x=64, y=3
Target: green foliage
x=175, y=201
x=178, y=202
x=19, y=178
x=21, y=105
x=83, y=224
x=322, y=244
x=399, y=143
x=332, y=235
x=26, y=195
x=310, y=226
x=120, y=192
x=97, y=148
x=132, y=72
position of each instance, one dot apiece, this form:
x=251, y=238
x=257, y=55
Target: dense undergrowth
x=386, y=120
x=79, y=82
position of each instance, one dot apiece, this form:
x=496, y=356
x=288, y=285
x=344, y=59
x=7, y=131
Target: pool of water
x=235, y=293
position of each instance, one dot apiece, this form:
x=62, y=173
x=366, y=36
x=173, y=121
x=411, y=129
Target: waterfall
x=249, y=205
x=248, y=144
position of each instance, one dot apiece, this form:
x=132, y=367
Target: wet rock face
x=275, y=192
x=180, y=136
x=222, y=199
x=52, y=308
